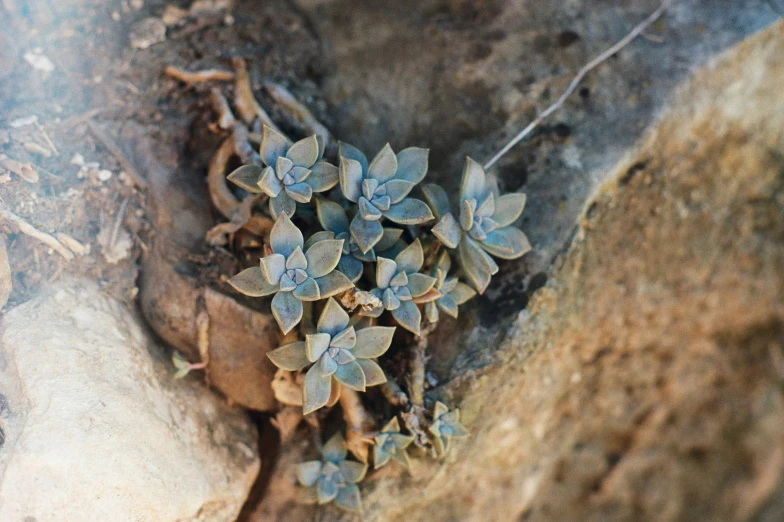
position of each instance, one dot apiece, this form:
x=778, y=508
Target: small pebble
x=104, y=175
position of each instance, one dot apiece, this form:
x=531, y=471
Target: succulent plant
x=333, y=477
x=453, y=292
x=334, y=220
x=293, y=276
x=400, y=286
x=445, y=427
x=380, y=189
x=340, y=355
x=389, y=443
x=484, y=224
x=292, y=174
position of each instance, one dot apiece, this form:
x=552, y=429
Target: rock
x=147, y=32
x=644, y=381
x=95, y=427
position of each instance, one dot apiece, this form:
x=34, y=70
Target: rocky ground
x=629, y=368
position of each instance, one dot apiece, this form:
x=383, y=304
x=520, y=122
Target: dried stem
x=577, y=79
x=244, y=101
x=394, y=394
x=358, y=424
x=415, y=417
x=30, y=230
x=198, y=76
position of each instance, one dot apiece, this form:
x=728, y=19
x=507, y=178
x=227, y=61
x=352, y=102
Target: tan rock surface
x=645, y=384
x=96, y=429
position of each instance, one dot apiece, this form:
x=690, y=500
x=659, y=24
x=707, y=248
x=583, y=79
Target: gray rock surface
x=96, y=429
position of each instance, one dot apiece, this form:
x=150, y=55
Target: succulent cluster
x=366, y=233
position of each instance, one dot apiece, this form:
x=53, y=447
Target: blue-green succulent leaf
x=349, y=498
x=409, y=317
x=367, y=210
x=346, y=339
x=374, y=375
x=323, y=257
x=447, y=305
x=351, y=375
x=333, y=319
x=351, y=267
x=437, y=198
x=353, y=472
x=462, y=293
x=283, y=204
x=373, y=341
x=477, y=265
x=273, y=145
x=333, y=283
x=308, y=472
x=385, y=271
x=316, y=389
x=409, y=212
x=247, y=178
x=350, y=179
x=474, y=182
x=448, y=231
x=285, y=237
x=308, y=290
x=412, y=164
x=287, y=311
x=327, y=490
x=323, y=176
x=366, y=233
x=506, y=243
x=508, y=208
x=397, y=189
x=384, y=165
x=252, y=282
x=300, y=192
x=321, y=235
x=390, y=237
x=381, y=456
x=419, y=284
x=269, y=183
x=273, y=266
x=296, y=260
x=351, y=152
x=331, y=216
x=305, y=152
x=315, y=345
x=291, y=357
x=411, y=259
x=431, y=312
x=334, y=449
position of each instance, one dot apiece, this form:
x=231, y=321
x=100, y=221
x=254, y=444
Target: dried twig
x=577, y=79
x=206, y=75
x=110, y=145
x=358, y=424
x=244, y=101
x=30, y=230
x=296, y=110
x=394, y=394
x=415, y=417
x=220, y=105
x=47, y=138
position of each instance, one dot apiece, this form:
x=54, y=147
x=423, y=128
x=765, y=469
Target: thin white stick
x=28, y=229
x=578, y=78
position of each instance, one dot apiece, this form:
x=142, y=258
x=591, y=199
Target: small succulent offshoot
x=400, y=287
x=483, y=226
x=445, y=427
x=389, y=444
x=339, y=354
x=453, y=292
x=333, y=478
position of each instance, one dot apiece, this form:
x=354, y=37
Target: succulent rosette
x=333, y=478
x=390, y=444
x=381, y=188
x=340, y=355
x=483, y=226
x=293, y=275
x=400, y=287
x=292, y=172
x=453, y=292
x=445, y=427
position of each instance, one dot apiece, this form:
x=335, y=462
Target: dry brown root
x=394, y=394
x=359, y=426
x=206, y=75
x=415, y=418
x=286, y=422
x=244, y=101
x=29, y=230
